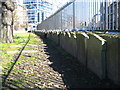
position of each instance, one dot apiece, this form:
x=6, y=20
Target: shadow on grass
x=74, y=74
x=5, y=76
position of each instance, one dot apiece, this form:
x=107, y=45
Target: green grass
x=8, y=58
x=19, y=39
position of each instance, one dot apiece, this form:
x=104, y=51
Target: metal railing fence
x=85, y=15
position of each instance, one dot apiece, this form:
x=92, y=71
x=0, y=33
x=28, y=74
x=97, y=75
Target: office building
x=37, y=10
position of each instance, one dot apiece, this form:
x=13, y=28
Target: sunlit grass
x=19, y=39
x=8, y=59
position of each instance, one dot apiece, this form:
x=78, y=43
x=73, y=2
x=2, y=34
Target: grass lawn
x=23, y=74
x=19, y=39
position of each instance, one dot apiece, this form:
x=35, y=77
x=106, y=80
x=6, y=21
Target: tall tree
x=7, y=21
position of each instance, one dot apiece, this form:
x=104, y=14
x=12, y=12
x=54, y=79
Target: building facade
x=110, y=15
x=20, y=17
x=37, y=10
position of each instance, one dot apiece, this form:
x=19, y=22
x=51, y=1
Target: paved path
x=23, y=45
x=24, y=51
x=20, y=31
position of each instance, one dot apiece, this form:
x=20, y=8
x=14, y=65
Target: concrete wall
x=62, y=40
x=68, y=42
x=55, y=37
x=82, y=47
x=96, y=48
x=113, y=58
x=39, y=33
x=98, y=53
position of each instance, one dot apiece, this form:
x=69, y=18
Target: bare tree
x=7, y=21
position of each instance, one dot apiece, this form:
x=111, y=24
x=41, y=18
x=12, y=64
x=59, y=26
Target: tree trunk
x=7, y=21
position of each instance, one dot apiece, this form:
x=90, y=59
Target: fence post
x=73, y=15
